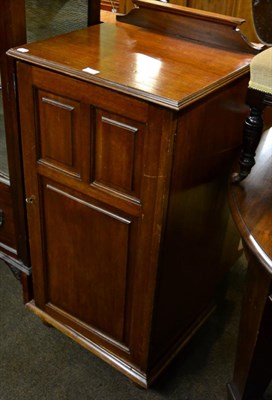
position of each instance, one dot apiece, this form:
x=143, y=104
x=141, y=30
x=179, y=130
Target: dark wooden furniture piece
x=13, y=241
x=251, y=207
x=128, y=131
x=13, y=230
x=253, y=128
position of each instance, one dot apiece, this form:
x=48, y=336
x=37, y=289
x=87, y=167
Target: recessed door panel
x=118, y=152
x=58, y=132
x=86, y=260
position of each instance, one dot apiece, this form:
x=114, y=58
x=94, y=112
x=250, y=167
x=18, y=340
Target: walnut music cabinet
x=128, y=130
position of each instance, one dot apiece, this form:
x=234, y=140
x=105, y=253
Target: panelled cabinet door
x=86, y=260
x=88, y=189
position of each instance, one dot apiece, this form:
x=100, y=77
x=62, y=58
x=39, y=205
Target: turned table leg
x=253, y=128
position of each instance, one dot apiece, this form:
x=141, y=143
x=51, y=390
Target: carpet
x=40, y=363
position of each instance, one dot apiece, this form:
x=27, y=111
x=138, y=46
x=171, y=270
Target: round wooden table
x=251, y=207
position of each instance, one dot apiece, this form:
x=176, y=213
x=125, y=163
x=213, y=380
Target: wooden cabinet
x=126, y=148
x=84, y=163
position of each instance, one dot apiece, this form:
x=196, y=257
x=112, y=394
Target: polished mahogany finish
x=127, y=137
x=250, y=203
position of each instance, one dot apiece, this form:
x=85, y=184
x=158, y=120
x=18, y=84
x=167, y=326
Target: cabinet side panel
x=192, y=265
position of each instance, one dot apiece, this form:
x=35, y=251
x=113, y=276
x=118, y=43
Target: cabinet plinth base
x=137, y=377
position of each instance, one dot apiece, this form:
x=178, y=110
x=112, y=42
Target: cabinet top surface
x=153, y=66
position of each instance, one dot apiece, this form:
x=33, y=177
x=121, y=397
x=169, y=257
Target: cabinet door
x=86, y=250
x=91, y=162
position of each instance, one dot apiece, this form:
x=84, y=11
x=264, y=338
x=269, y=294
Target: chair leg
x=253, y=128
